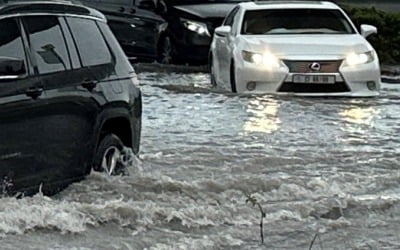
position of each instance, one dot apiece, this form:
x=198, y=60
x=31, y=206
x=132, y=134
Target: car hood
x=207, y=10
x=291, y=46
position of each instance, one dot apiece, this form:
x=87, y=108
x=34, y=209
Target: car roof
x=12, y=7
x=259, y=5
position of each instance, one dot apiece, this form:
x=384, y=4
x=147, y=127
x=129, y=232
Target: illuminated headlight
x=266, y=59
x=198, y=27
x=357, y=59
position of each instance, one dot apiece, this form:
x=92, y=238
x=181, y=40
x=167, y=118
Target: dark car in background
x=169, y=31
x=69, y=100
x=136, y=25
x=191, y=25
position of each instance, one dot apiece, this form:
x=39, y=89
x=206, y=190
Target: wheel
x=165, y=51
x=232, y=77
x=108, y=156
x=212, y=74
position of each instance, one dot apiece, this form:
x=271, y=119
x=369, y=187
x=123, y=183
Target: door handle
x=34, y=92
x=88, y=84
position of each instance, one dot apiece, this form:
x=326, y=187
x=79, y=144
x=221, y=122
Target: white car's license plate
x=315, y=79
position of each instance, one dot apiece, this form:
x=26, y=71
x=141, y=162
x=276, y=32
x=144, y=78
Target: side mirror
x=147, y=5
x=11, y=68
x=223, y=30
x=367, y=30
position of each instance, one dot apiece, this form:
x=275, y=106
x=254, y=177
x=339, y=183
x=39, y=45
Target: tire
x=108, y=156
x=211, y=69
x=232, y=77
x=165, y=51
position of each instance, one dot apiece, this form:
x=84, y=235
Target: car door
x=97, y=59
x=148, y=27
x=224, y=48
x=71, y=109
x=22, y=113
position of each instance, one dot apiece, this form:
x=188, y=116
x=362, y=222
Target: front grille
x=313, y=88
x=304, y=66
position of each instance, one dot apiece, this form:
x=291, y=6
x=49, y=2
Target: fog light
x=251, y=86
x=371, y=85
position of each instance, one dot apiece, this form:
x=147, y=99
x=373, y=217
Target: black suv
x=69, y=99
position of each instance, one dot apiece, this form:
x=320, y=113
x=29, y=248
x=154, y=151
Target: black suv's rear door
x=22, y=107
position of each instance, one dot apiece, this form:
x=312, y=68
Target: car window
x=295, y=21
x=11, y=45
x=73, y=53
x=47, y=43
x=230, y=17
x=92, y=48
x=122, y=67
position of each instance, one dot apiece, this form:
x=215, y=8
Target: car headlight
x=198, y=27
x=266, y=59
x=361, y=58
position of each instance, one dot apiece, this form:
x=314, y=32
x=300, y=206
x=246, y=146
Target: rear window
x=295, y=21
x=92, y=48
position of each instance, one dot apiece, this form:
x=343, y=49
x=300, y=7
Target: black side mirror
x=147, y=5
x=11, y=68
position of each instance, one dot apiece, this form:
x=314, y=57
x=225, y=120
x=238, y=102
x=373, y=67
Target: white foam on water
x=40, y=212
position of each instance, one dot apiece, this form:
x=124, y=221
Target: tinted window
x=11, y=47
x=229, y=19
x=123, y=67
x=296, y=21
x=47, y=43
x=92, y=48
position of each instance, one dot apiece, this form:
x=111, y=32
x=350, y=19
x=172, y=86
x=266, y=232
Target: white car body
x=313, y=64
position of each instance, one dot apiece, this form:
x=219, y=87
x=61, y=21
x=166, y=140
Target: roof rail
x=48, y=6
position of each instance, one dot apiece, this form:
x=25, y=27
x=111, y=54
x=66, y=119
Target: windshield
x=295, y=21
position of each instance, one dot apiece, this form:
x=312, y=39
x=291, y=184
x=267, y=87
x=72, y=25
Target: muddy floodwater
x=323, y=168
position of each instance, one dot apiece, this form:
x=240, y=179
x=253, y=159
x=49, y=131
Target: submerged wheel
x=212, y=72
x=165, y=51
x=232, y=77
x=108, y=156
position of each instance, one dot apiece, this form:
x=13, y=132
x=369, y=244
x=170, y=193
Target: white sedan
x=303, y=48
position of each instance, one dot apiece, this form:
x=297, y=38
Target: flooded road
x=316, y=167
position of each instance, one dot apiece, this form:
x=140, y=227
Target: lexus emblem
x=315, y=66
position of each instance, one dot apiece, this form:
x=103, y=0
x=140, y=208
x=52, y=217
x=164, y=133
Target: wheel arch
x=120, y=126
x=122, y=122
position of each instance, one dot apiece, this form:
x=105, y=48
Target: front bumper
x=361, y=80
